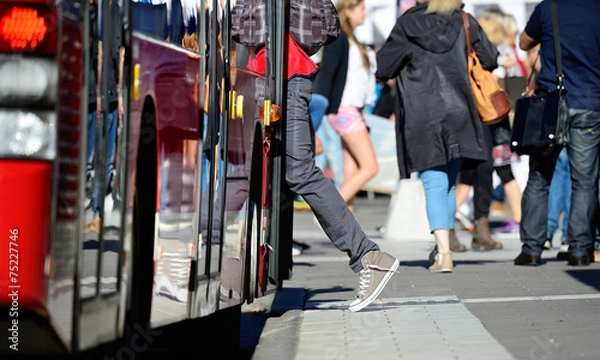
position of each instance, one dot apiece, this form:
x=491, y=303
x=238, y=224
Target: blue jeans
x=317, y=107
x=583, y=157
x=332, y=156
x=91, y=142
x=111, y=146
x=559, y=198
x=440, y=194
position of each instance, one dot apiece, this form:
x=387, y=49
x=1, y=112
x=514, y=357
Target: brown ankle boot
x=455, y=244
x=482, y=237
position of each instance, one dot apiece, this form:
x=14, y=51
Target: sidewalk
x=486, y=309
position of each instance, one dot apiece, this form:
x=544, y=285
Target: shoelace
x=365, y=278
x=364, y=281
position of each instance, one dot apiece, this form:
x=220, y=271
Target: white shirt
x=359, y=89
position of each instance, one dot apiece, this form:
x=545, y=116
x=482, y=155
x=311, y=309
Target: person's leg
x=567, y=188
x=462, y=194
x=350, y=168
x=464, y=186
x=557, y=194
x=317, y=107
x=482, y=199
x=308, y=181
x=439, y=185
x=583, y=157
x=482, y=189
x=111, y=146
x=534, y=205
x=333, y=151
x=91, y=143
x=511, y=190
x=360, y=163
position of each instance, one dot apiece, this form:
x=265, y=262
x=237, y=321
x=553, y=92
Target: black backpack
x=313, y=23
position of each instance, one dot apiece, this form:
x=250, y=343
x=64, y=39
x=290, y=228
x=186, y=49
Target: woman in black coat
x=437, y=124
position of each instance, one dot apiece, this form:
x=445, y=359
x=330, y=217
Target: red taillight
x=27, y=29
x=23, y=28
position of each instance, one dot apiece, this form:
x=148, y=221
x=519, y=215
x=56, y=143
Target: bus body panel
x=26, y=203
x=169, y=80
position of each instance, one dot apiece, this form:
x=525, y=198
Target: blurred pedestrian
x=347, y=80
x=510, y=65
x=480, y=175
x=437, y=125
x=104, y=170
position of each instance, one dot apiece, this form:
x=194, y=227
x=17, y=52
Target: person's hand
x=510, y=62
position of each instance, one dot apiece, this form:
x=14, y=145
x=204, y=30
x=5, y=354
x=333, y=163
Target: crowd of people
x=439, y=134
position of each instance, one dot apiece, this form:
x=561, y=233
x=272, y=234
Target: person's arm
x=532, y=34
x=391, y=56
x=526, y=42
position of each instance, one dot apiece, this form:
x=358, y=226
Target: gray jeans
x=307, y=180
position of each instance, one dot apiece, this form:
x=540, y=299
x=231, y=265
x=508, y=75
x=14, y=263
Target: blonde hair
x=444, y=7
x=510, y=25
x=492, y=26
x=348, y=29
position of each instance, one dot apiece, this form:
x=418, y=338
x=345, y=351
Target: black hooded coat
x=436, y=116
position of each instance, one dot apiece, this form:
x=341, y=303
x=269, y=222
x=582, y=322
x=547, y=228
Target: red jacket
x=299, y=63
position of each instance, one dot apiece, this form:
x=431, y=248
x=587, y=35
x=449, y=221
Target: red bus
x=141, y=184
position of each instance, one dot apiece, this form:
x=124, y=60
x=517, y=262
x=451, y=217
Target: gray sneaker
x=378, y=268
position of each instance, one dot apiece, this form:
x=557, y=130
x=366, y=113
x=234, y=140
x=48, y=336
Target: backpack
x=312, y=23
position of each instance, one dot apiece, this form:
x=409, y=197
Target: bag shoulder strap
x=465, y=19
x=556, y=38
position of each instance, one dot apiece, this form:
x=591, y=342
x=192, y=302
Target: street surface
x=486, y=309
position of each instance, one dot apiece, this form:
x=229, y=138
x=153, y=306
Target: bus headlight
x=27, y=134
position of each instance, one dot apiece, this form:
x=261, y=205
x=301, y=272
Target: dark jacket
x=331, y=78
x=113, y=66
x=436, y=116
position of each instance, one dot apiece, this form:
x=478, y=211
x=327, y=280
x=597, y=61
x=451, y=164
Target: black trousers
x=479, y=175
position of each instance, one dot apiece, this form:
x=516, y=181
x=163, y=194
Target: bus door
x=105, y=119
x=211, y=155
x=164, y=159
x=253, y=108
x=280, y=228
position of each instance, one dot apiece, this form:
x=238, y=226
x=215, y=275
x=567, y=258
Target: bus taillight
x=27, y=29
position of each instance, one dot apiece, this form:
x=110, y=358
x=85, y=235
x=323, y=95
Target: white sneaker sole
x=386, y=278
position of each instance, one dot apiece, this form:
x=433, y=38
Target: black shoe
x=528, y=260
x=583, y=260
x=563, y=255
